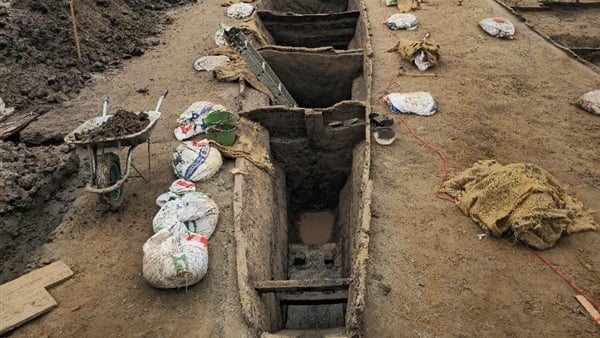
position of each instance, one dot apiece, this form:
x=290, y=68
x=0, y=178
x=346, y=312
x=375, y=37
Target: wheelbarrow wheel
x=107, y=174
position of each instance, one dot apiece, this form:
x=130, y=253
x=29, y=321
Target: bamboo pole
x=75, y=29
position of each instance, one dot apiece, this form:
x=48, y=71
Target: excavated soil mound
x=39, y=68
x=121, y=124
x=29, y=205
x=519, y=198
x=38, y=59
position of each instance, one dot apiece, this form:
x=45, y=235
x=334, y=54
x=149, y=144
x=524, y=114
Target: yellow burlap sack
x=522, y=199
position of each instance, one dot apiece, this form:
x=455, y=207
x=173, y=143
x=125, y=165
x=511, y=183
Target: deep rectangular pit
x=307, y=6
x=335, y=30
x=302, y=230
x=318, y=78
x=318, y=181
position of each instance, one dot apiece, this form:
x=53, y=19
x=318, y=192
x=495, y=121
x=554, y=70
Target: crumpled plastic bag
x=402, y=21
x=498, y=27
x=240, y=10
x=590, y=102
x=210, y=62
x=196, y=161
x=420, y=103
x=426, y=50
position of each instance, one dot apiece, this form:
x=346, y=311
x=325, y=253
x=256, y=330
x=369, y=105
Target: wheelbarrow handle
x=160, y=100
x=105, y=106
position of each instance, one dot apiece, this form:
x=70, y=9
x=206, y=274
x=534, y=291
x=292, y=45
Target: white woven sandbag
x=240, y=10
x=210, y=62
x=178, y=188
x=498, y=27
x=400, y=21
x=199, y=213
x=191, y=121
x=196, y=211
x=196, y=161
x=420, y=103
x=175, y=258
x=162, y=199
x=181, y=186
x=590, y=102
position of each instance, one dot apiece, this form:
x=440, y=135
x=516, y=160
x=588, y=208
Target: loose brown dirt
x=122, y=123
x=429, y=274
x=38, y=59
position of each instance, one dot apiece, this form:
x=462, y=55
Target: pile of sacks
x=197, y=160
x=177, y=254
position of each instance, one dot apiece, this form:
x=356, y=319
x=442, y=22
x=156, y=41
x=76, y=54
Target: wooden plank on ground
x=290, y=285
x=15, y=123
x=589, y=307
x=26, y=297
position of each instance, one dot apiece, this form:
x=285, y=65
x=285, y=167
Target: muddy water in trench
x=316, y=227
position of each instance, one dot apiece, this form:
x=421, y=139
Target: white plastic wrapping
x=420, y=103
x=240, y=10
x=498, y=27
x=590, y=102
x=400, y=21
x=210, y=62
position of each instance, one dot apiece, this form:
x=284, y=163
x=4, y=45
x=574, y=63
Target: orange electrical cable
x=440, y=154
x=564, y=278
x=442, y=196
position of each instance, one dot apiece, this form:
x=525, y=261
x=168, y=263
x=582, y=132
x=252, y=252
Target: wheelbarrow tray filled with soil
x=84, y=134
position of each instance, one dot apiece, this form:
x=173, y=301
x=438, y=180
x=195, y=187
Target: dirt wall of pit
x=261, y=238
x=317, y=78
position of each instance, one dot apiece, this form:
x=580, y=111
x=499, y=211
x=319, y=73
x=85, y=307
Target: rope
x=442, y=196
x=564, y=278
x=439, y=194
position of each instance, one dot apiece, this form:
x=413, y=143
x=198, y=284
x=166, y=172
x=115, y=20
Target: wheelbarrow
x=106, y=178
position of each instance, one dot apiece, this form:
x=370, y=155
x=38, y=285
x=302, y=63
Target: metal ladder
x=264, y=73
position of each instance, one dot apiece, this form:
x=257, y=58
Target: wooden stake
x=75, y=29
x=589, y=307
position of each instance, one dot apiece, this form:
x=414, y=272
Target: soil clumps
x=38, y=59
x=119, y=125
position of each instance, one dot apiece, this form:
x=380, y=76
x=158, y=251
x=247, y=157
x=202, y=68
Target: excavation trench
x=309, y=210
x=302, y=228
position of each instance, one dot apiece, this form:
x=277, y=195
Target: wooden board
x=26, y=297
x=291, y=285
x=15, y=123
x=589, y=307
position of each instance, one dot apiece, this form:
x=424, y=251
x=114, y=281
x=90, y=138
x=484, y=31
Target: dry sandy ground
x=430, y=275
x=502, y=100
